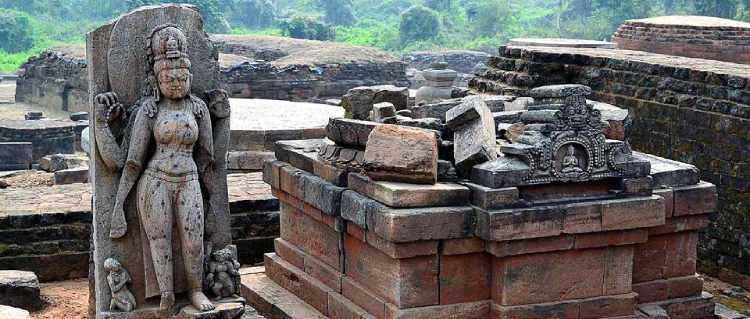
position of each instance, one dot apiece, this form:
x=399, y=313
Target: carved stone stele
x=159, y=138
x=562, y=141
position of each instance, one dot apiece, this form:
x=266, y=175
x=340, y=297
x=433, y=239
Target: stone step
x=271, y=300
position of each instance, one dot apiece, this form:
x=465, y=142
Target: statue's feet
x=200, y=301
x=167, y=300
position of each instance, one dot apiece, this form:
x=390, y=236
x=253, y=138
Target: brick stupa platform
x=688, y=36
x=608, y=247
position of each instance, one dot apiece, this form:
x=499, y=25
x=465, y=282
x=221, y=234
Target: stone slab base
x=227, y=308
x=697, y=307
x=271, y=300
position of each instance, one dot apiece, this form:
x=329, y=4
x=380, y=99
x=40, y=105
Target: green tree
x=439, y=5
x=255, y=14
x=419, y=23
x=491, y=16
x=339, y=12
x=16, y=31
x=210, y=11
x=304, y=27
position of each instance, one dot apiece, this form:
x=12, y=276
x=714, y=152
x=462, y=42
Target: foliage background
x=396, y=26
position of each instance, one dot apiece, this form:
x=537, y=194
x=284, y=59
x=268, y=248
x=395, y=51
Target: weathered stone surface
x=20, y=289
x=358, y=102
x=270, y=299
x=79, y=116
x=669, y=173
x=15, y=313
x=474, y=129
x=469, y=310
x=348, y=132
x=415, y=224
x=407, y=283
x=399, y=195
x=72, y=176
x=86, y=141
x=401, y=154
x=515, y=283
x=47, y=137
x=492, y=198
x=382, y=111
x=57, y=162
x=16, y=156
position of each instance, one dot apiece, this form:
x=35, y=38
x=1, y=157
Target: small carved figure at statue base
x=118, y=279
x=223, y=276
x=570, y=162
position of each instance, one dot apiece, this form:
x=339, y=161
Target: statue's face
x=220, y=256
x=175, y=83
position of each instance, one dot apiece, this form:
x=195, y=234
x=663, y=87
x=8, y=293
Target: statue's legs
x=155, y=210
x=189, y=217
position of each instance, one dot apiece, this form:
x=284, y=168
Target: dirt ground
x=16, y=111
x=64, y=300
x=26, y=179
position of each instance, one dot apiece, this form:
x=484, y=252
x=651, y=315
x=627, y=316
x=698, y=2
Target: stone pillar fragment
x=474, y=127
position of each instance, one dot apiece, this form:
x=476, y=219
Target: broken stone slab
x=401, y=154
x=75, y=175
x=16, y=156
x=382, y=111
x=79, y=116
x=510, y=132
x=474, y=134
x=723, y=312
x=446, y=171
x=348, y=132
x=359, y=101
x=57, y=162
x=496, y=103
x=19, y=289
x=396, y=194
x=13, y=313
x=507, y=116
x=669, y=173
x=33, y=116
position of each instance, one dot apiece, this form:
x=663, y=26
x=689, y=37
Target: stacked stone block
x=56, y=77
x=358, y=248
x=303, y=82
x=691, y=110
x=688, y=36
x=46, y=137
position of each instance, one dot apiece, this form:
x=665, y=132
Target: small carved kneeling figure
x=118, y=280
x=222, y=276
x=570, y=162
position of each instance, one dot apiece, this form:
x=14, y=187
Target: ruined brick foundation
x=690, y=110
x=354, y=248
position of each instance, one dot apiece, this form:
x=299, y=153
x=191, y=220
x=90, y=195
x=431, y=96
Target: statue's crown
x=168, y=42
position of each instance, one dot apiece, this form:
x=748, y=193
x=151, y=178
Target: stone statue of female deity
x=167, y=163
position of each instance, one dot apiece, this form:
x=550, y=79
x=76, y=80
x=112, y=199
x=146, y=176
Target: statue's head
x=171, y=76
x=571, y=150
x=112, y=265
x=221, y=255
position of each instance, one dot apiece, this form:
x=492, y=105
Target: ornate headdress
x=166, y=46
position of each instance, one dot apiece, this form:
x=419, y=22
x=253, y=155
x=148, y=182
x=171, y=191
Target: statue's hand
x=107, y=109
x=118, y=224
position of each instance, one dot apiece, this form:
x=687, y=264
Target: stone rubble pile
x=552, y=220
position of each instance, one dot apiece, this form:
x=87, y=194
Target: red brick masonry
x=531, y=252
x=694, y=37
